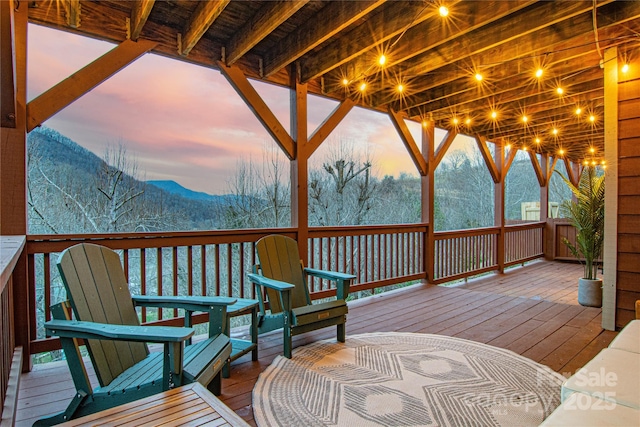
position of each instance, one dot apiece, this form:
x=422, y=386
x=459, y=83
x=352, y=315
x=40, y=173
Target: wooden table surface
x=189, y=405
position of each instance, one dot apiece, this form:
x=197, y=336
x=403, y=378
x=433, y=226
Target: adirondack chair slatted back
x=279, y=259
x=98, y=292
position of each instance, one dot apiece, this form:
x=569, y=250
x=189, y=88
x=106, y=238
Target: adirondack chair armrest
x=189, y=303
x=270, y=283
x=343, y=280
x=104, y=331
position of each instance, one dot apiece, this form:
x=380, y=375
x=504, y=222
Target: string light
x=554, y=131
x=592, y=150
x=539, y=72
x=561, y=152
x=525, y=119
x=400, y=88
x=586, y=162
x=443, y=11
x=363, y=86
x=578, y=111
x=559, y=90
x=508, y=146
x=468, y=121
x=537, y=140
x=455, y=121
x=382, y=60
x=494, y=114
x=592, y=118
x=478, y=77
x=625, y=68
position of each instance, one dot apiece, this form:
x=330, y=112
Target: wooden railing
x=462, y=253
x=523, y=243
x=216, y=262
x=10, y=357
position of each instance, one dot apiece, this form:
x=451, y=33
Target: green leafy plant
x=586, y=213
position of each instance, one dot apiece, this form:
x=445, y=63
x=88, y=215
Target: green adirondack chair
x=107, y=320
x=281, y=272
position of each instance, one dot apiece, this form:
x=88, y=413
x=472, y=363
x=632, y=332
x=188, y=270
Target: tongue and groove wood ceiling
x=336, y=47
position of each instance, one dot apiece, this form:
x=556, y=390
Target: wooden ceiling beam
x=465, y=91
x=205, y=14
x=527, y=49
x=82, y=81
x=391, y=21
x=530, y=20
x=267, y=19
x=254, y=101
x=431, y=33
x=408, y=141
x=331, y=20
x=140, y=11
x=7, y=67
x=72, y=11
x=513, y=102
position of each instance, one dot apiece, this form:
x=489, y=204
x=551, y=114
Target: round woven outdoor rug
x=404, y=379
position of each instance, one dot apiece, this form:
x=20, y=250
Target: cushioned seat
x=629, y=338
x=613, y=375
x=584, y=410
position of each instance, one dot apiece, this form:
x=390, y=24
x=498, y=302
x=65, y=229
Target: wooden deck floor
x=530, y=310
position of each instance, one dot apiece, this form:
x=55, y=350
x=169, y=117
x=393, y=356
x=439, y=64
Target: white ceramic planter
x=590, y=292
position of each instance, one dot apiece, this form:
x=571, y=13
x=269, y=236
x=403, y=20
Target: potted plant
x=586, y=213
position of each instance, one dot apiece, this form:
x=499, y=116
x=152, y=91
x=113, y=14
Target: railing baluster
x=189, y=270
x=159, y=277
x=174, y=276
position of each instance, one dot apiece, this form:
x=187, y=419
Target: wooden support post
x=611, y=155
x=13, y=174
x=499, y=203
x=300, y=167
x=544, y=189
x=427, y=186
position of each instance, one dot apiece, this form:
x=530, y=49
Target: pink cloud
x=181, y=121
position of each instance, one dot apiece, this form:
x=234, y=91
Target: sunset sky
x=184, y=122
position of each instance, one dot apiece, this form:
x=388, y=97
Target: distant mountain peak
x=173, y=187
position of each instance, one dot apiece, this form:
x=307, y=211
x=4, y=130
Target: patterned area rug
x=404, y=379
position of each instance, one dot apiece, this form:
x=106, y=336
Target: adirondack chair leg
x=67, y=415
x=215, y=386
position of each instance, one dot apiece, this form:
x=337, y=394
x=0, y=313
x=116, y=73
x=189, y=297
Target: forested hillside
x=72, y=190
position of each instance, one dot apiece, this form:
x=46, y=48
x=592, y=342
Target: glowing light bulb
x=525, y=119
x=494, y=114
x=593, y=163
x=539, y=72
x=561, y=152
x=578, y=111
x=345, y=82
x=554, y=131
x=400, y=88
x=424, y=123
x=602, y=162
x=382, y=60
x=592, y=150
x=586, y=163
x=592, y=118
x=537, y=140
x=625, y=68
x=559, y=90
x=508, y=146
x=455, y=121
x=467, y=122
x=524, y=148
x=478, y=77
x=363, y=86
x=443, y=11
